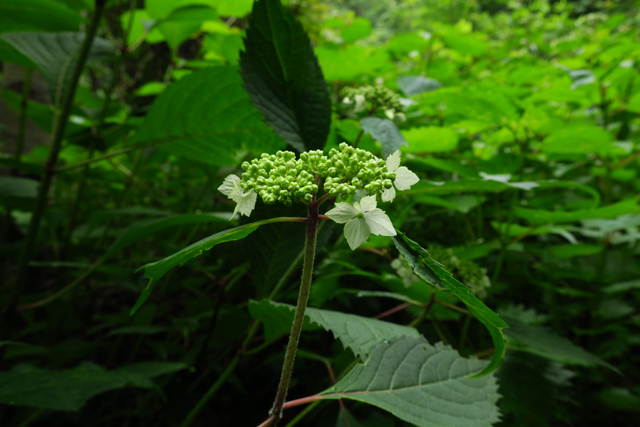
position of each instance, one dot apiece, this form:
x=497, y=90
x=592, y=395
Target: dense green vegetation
x=498, y=287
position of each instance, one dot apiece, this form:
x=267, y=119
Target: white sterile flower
x=404, y=177
x=245, y=202
x=390, y=113
x=361, y=103
x=362, y=219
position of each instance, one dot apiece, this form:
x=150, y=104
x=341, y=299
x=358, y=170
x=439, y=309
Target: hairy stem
x=296, y=329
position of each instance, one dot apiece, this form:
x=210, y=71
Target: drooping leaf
x=384, y=131
x=56, y=54
x=422, y=384
x=69, y=390
x=357, y=333
x=413, y=258
x=415, y=85
x=206, y=116
x=537, y=340
x=155, y=270
x=484, y=314
x=283, y=77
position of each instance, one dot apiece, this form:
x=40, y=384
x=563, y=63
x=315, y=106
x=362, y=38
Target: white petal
x=342, y=212
x=389, y=194
x=393, y=161
x=368, y=203
x=347, y=100
x=245, y=204
x=230, y=186
x=379, y=223
x=390, y=113
x=361, y=103
x=405, y=178
x=356, y=232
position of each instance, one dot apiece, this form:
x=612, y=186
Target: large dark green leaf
x=283, y=77
x=56, y=54
x=422, y=384
x=484, y=314
x=69, y=390
x=207, y=116
x=37, y=15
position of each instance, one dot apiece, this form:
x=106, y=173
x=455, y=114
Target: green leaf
x=139, y=230
x=444, y=165
x=463, y=186
x=415, y=85
x=422, y=384
x=55, y=54
x=622, y=287
x=283, y=77
x=69, y=390
x=541, y=216
x=347, y=63
x=238, y=8
x=357, y=333
x=484, y=314
x=537, y=340
x=634, y=103
x=575, y=139
x=431, y=139
x=359, y=29
x=18, y=192
x=206, y=116
x=413, y=258
x=572, y=251
x=155, y=270
x=37, y=15
x=275, y=249
x=184, y=22
x=384, y=131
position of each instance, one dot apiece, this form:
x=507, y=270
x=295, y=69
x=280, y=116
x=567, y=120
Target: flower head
x=245, y=201
x=362, y=219
x=404, y=177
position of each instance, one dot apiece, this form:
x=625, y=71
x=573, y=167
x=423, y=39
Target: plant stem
x=45, y=183
x=24, y=104
x=303, y=414
x=296, y=329
x=223, y=377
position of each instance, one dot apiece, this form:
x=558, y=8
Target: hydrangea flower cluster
x=378, y=97
x=468, y=271
x=283, y=178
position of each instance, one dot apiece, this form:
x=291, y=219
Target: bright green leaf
x=359, y=29
x=430, y=139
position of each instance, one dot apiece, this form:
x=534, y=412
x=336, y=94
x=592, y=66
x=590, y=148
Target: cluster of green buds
x=468, y=271
x=351, y=169
x=283, y=178
x=376, y=97
x=404, y=270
